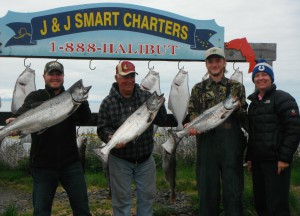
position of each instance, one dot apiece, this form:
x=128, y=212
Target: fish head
x=78, y=92
x=181, y=77
x=155, y=102
x=151, y=82
x=231, y=102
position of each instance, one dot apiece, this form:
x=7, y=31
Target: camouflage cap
x=54, y=65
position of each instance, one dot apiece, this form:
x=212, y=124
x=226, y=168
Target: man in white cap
x=133, y=161
x=219, y=162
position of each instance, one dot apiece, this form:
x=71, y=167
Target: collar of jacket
x=51, y=90
x=254, y=96
x=223, y=81
x=114, y=91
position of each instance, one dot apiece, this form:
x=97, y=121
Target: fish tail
x=171, y=144
x=99, y=152
x=1, y=139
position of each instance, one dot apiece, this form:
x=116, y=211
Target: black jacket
x=274, y=126
x=56, y=147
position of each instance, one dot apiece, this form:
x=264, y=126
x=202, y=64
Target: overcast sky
x=268, y=21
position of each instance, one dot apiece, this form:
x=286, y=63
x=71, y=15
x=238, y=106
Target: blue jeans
x=122, y=174
x=45, y=183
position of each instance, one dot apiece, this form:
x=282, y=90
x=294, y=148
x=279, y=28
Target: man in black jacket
x=54, y=153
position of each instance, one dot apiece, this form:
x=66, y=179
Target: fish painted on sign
x=246, y=50
x=24, y=85
x=49, y=113
x=208, y=120
x=135, y=124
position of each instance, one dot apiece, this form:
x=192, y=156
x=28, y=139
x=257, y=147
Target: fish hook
x=234, y=67
x=25, y=63
x=90, y=65
x=77, y=131
x=179, y=67
x=149, y=66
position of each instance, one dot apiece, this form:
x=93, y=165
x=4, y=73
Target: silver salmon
x=135, y=124
x=208, y=120
x=49, y=113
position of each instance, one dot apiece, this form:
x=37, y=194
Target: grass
x=19, y=179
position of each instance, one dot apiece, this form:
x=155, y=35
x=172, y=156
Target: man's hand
x=120, y=145
x=191, y=131
x=281, y=166
x=9, y=120
x=249, y=166
x=13, y=133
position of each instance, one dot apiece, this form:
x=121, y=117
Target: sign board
x=107, y=31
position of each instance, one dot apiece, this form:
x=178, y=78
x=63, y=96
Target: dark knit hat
x=263, y=66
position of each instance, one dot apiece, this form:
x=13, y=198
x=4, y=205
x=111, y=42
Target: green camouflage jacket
x=208, y=93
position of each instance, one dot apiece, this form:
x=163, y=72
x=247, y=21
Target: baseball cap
x=54, y=65
x=125, y=67
x=214, y=51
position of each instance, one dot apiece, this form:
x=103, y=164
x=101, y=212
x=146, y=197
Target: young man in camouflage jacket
x=219, y=162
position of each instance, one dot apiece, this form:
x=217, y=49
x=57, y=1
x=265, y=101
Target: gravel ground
x=22, y=200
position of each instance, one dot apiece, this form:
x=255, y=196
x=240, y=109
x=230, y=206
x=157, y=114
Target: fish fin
x=135, y=139
x=151, y=117
x=100, y=154
x=171, y=144
x=168, y=145
x=170, y=106
x=73, y=110
x=1, y=139
x=224, y=115
x=41, y=131
x=22, y=135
